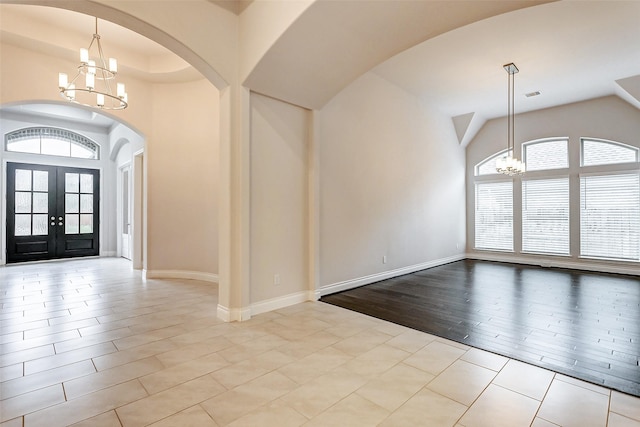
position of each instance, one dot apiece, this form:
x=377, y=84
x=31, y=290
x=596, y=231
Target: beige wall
x=31, y=76
x=279, y=197
x=181, y=124
x=392, y=183
x=182, y=178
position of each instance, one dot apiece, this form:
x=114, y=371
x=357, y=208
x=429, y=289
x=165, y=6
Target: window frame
x=600, y=174
x=565, y=178
x=54, y=133
x=527, y=144
x=475, y=217
x=610, y=142
x=476, y=169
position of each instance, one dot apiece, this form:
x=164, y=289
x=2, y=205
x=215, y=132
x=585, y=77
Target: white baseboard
x=361, y=281
x=282, y=302
x=233, y=315
x=572, y=264
x=180, y=274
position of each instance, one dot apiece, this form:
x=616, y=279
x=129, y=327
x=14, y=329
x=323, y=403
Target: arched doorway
x=47, y=147
x=206, y=115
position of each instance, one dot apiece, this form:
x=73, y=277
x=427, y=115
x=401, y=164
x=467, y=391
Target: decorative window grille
x=52, y=141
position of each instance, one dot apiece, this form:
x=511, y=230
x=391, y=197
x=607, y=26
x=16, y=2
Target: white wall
x=279, y=197
x=392, y=184
x=11, y=122
x=606, y=118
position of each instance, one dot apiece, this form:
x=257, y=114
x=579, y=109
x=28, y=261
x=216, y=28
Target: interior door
x=126, y=213
x=52, y=212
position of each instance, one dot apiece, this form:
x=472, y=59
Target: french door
x=52, y=212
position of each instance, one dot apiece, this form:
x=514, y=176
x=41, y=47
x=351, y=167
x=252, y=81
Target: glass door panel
x=52, y=212
x=29, y=203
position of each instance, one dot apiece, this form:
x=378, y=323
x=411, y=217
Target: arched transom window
x=52, y=141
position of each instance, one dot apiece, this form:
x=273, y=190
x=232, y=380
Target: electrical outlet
x=276, y=279
x=384, y=259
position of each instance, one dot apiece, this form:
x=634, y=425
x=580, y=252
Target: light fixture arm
x=99, y=76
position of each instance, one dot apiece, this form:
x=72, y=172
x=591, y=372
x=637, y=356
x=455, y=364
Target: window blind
x=610, y=216
x=596, y=152
x=545, y=216
x=545, y=155
x=494, y=216
x=488, y=166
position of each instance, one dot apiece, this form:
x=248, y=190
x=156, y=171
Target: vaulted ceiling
x=449, y=54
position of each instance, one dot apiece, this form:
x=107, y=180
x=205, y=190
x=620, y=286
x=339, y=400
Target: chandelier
x=510, y=165
x=100, y=88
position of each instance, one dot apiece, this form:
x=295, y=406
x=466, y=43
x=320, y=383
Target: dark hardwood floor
x=582, y=324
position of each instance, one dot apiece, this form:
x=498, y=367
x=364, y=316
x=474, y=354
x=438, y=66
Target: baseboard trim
x=181, y=274
x=586, y=265
x=233, y=314
x=282, y=302
x=366, y=280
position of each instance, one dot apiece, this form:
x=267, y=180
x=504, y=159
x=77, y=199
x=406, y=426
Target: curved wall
x=181, y=126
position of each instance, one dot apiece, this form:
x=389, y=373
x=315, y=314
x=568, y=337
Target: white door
x=126, y=212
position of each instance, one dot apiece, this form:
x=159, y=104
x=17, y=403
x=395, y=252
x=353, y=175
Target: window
x=600, y=152
x=610, y=216
x=494, y=216
x=488, y=166
x=545, y=216
x=546, y=154
x=594, y=213
x=52, y=141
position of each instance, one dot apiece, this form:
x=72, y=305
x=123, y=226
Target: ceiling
x=567, y=50
x=334, y=42
x=235, y=6
x=31, y=27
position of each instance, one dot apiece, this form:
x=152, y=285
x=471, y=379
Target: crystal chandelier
x=99, y=78
x=510, y=165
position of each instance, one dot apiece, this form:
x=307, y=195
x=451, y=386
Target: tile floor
x=89, y=343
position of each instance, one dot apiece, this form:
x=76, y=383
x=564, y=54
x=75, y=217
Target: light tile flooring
x=89, y=343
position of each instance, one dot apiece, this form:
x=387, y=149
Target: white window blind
x=488, y=166
x=610, y=216
x=545, y=216
x=494, y=216
x=597, y=152
x=543, y=155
